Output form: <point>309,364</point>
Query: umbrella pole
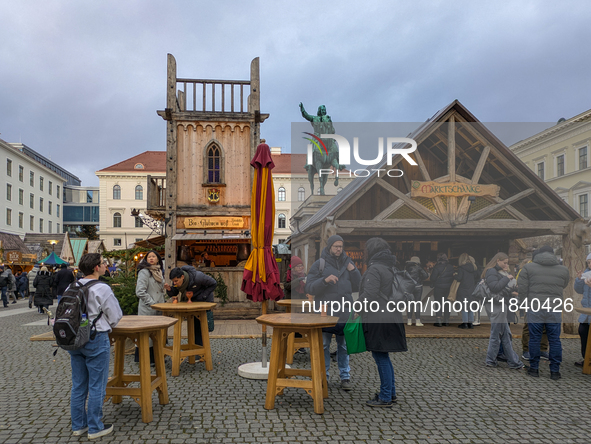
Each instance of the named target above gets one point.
<point>264,338</point>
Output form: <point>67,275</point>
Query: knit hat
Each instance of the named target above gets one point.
<point>332,239</point>
<point>546,249</point>
<point>415,259</point>
<point>44,268</point>
<point>295,261</point>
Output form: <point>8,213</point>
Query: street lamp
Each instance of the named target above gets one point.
<point>53,244</point>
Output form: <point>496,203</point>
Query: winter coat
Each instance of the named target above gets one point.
<point>62,280</point>
<point>416,272</point>
<point>292,285</point>
<point>11,280</point>
<point>31,277</point>
<point>442,277</point>
<point>543,279</point>
<point>585,290</point>
<point>341,291</point>
<point>468,278</point>
<point>43,283</point>
<point>200,284</point>
<point>383,330</point>
<point>498,284</point>
<point>22,283</point>
<point>149,292</point>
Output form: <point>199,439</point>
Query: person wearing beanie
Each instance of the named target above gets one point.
<point>413,266</point>
<point>295,282</point>
<point>541,282</point>
<point>583,286</point>
<point>334,277</point>
<point>442,277</point>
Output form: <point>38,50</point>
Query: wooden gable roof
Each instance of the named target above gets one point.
<point>453,146</point>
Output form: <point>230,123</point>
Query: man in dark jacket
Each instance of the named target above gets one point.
<point>541,282</point>
<point>197,284</point>
<point>62,280</point>
<point>333,278</point>
<point>4,285</point>
<point>413,266</point>
<point>442,277</point>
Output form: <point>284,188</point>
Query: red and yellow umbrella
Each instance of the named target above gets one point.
<point>261,280</point>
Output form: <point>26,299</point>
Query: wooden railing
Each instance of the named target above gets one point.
<point>226,96</point>
<point>156,195</point>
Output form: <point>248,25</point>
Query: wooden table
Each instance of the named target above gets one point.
<point>178,352</point>
<point>140,329</point>
<point>293,343</point>
<point>310,326</point>
<point>587,361</point>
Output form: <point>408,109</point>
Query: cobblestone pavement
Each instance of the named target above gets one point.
<point>445,394</point>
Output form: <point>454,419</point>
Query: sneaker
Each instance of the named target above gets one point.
<point>525,356</point>
<point>555,376</point>
<point>579,363</point>
<point>346,385</point>
<point>377,402</point>
<point>476,323</point>
<point>409,322</point>
<point>517,368</point>
<point>545,356</point>
<point>419,323</point>
<point>108,429</point>
<point>394,398</point>
<point>80,432</point>
<point>533,372</point>
<point>491,365</point>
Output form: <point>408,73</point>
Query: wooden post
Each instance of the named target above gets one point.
<point>171,167</point>
<point>573,255</point>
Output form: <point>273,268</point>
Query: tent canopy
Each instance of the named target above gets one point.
<point>52,259</point>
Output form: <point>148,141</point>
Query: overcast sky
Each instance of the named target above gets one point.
<point>80,82</point>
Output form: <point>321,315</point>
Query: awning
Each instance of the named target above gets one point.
<point>212,236</point>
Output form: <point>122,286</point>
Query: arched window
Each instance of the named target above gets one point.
<point>117,192</point>
<point>301,194</point>
<point>281,194</point>
<point>139,192</point>
<point>117,220</point>
<point>281,222</point>
<point>214,161</point>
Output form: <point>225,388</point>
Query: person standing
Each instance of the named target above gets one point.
<point>11,286</point>
<point>419,275</point>
<point>334,277</point>
<point>4,285</point>
<point>442,277</point>
<point>542,281</point>
<point>384,331</point>
<point>90,364</point>
<point>22,284</point>
<point>468,277</point>
<point>31,277</point>
<point>149,289</point>
<point>295,283</point>
<point>43,284</point>
<point>62,280</point>
<point>583,286</point>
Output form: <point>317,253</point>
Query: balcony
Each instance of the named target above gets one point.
<point>156,196</point>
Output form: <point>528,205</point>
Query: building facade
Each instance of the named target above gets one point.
<point>31,195</point>
<point>123,189</point>
<point>81,208</point>
<point>560,156</point>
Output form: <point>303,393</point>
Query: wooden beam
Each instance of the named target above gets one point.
<point>408,201</point>
<point>391,209</point>
<point>451,149</point>
<point>492,209</point>
<point>464,204</point>
<point>441,209</point>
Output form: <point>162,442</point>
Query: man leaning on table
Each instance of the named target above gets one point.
<point>333,278</point>
<point>90,364</point>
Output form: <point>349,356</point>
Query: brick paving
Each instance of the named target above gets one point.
<point>445,393</point>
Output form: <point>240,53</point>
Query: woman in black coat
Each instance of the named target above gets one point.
<point>384,331</point>
<point>43,284</point>
<point>442,277</point>
<point>468,277</point>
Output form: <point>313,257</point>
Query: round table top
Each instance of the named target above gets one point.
<point>185,307</point>
<point>138,324</point>
<point>314,320</point>
<point>584,310</point>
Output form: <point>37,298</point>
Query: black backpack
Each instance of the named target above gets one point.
<point>70,333</point>
<point>3,280</point>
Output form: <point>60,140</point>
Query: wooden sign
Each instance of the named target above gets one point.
<point>214,222</point>
<point>14,256</point>
<point>433,189</point>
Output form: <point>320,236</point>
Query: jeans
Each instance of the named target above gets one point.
<point>535,339</point>
<point>90,372</point>
<point>444,310</point>
<point>386,372</point>
<point>59,296</point>
<point>501,334</point>
<point>342,356</point>
<point>417,295</point>
<point>467,317</point>
<point>4,297</point>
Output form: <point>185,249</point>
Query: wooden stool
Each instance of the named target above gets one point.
<point>140,329</point>
<point>293,343</point>
<point>310,326</point>
<point>179,352</point>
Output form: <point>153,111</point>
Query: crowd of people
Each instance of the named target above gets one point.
<point>540,282</point>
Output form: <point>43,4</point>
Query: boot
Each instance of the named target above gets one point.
<point>470,325</point>
<point>463,325</point>
<point>438,323</point>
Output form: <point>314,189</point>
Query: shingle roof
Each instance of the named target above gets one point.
<point>289,163</point>
<point>13,242</point>
<point>152,162</point>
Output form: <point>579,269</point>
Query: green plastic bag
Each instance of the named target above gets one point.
<point>354,337</point>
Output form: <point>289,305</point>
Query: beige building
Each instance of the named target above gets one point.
<point>123,188</point>
<point>292,189</point>
<point>560,156</point>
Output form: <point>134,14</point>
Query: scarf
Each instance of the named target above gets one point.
<point>156,272</point>
<point>183,288</point>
